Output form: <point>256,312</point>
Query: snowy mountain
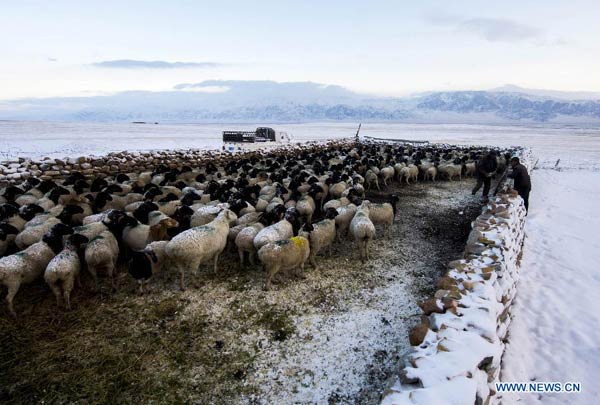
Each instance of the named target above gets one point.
<point>565,95</point>
<point>510,106</point>
<point>259,101</point>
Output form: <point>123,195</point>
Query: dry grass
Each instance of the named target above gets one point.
<point>118,351</point>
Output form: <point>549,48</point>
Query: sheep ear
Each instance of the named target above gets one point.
<point>152,256</point>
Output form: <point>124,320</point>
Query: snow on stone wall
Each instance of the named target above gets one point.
<point>458,346</point>
<point>17,170</point>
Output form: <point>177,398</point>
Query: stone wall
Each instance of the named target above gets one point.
<point>17,170</point>
<point>458,346</point>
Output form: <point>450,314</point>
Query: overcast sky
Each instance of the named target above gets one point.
<point>60,48</point>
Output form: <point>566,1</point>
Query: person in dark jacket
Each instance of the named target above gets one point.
<point>485,169</point>
<point>522,180</point>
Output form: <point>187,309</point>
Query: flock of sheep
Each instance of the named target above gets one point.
<point>281,207</point>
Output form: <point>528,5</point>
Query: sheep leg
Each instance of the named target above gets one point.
<point>300,271</point>
<point>377,184</point>
<point>270,274</point>
<point>57,293</point>
<point>182,279</point>
<point>216,262</point>
<point>68,287</point>
<point>12,291</point>
<point>251,256</point>
<point>312,260</point>
<point>367,249</point>
<point>241,254</point>
<point>95,277</point>
<point>111,274</point>
<point>78,280</point>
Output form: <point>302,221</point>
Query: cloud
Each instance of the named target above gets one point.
<point>500,30</point>
<point>495,29</point>
<point>154,64</point>
<point>201,88</point>
<point>52,59</point>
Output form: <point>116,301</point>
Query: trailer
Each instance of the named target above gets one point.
<point>409,141</point>
<point>261,134</point>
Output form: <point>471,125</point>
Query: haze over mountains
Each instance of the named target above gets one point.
<point>268,101</point>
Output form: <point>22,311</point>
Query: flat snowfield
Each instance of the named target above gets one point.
<point>57,140</point>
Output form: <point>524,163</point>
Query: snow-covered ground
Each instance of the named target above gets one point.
<point>554,335</point>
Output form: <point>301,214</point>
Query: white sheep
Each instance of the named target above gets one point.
<point>191,248</point>
<point>278,231</point>
<point>398,168</point>
<point>471,168</point>
<point>101,254</point>
<point>248,218</point>
<point>91,230</point>
<point>410,172</point>
<point>29,264</point>
<point>387,173</point>
<point>287,254</point>
<point>244,241</point>
<point>321,235</point>
<point>34,233</point>
<point>383,214</point>
<point>336,190</point>
<point>336,203</point>
<point>362,230</point>
<point>204,215</point>
<point>169,207</point>
<point>137,235</point>
<point>306,207</point>
<point>451,171</point>
<point>155,217</point>
<point>64,269</point>
<point>262,203</point>
<point>430,173</point>
<point>371,179</point>
<point>342,220</point>
<point>96,217</point>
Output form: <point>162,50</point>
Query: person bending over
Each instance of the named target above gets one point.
<point>522,180</point>
<point>485,169</point>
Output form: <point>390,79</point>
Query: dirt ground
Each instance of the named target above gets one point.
<point>334,337</point>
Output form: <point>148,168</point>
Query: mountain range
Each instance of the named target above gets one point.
<point>269,101</point>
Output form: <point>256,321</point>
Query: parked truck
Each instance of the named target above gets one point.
<point>261,134</point>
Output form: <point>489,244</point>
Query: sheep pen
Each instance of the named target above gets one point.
<point>335,336</point>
